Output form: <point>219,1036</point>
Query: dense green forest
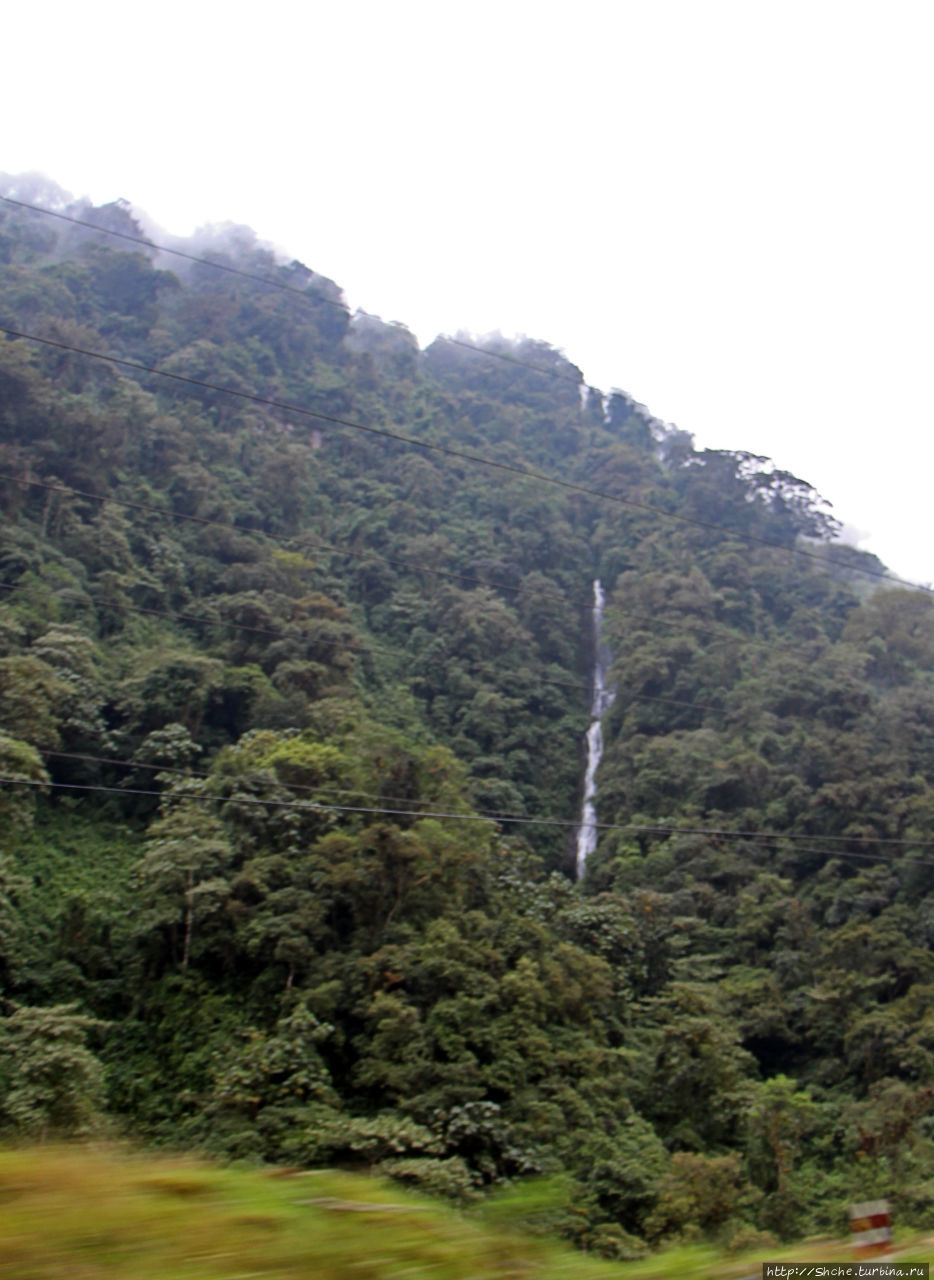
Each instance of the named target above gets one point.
<point>293,693</point>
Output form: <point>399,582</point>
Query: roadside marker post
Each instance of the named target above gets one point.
<point>871,1228</point>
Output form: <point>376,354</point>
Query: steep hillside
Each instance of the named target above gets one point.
<point>294,679</point>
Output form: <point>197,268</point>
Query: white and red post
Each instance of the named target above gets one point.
<point>871,1228</point>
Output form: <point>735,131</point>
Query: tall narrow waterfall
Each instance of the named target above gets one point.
<point>602,701</point>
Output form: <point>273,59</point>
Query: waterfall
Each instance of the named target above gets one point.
<point>602,701</point>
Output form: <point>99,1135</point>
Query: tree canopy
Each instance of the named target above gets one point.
<point>291,725</point>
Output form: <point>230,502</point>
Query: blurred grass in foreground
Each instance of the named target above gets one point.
<point>87,1214</point>
<point>93,1214</point>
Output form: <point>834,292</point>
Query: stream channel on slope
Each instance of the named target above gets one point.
<point>602,701</point>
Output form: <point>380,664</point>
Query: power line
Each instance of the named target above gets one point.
<point>305,294</point>
<point>198,773</point>
<point>439,815</point>
<point>367,647</point>
<point>304,805</point>
<point>523,364</point>
<point>641,828</point>
<point>841,853</point>
<point>178,253</point>
<point>473,458</point>
<point>486,351</point>
<point>463,456</point>
<point>505,587</point>
<point>291,786</point>
<point>410,440</point>
<point>308,294</point>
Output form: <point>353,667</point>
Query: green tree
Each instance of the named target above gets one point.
<point>702,1192</point>
<point>22,777</point>
<point>11,925</point>
<point>31,698</point>
<point>777,1122</point>
<point>183,883</point>
<point>52,1083</point>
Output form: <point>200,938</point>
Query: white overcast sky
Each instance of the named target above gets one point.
<point>723,207</point>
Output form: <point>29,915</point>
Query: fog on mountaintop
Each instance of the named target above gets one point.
<point>238,246</point>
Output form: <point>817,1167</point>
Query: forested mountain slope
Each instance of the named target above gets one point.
<point>268,670</point>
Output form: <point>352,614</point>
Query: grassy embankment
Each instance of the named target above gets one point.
<point>92,1214</point>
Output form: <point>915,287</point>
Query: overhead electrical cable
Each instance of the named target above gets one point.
<point>306,295</point>
<point>719,833</point>
<point>840,853</point>
<point>523,364</point>
<point>486,351</point>
<point>178,253</point>
<point>463,456</point>
<point>541,477</point>
<point>305,805</point>
<point>326,806</point>
<point>200,773</point>
<point>369,553</point>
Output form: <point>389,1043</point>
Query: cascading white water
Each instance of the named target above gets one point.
<point>602,701</point>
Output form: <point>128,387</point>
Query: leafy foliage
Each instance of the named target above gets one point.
<point>278,696</point>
